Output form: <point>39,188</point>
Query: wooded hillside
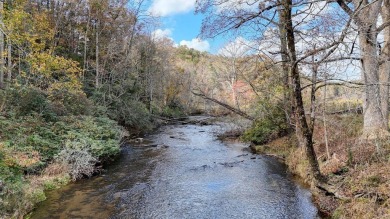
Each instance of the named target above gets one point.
<point>76,77</point>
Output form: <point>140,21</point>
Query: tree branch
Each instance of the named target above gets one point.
<point>233,109</point>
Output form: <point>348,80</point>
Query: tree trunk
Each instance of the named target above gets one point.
<point>303,132</point>
<point>97,56</point>
<point>1,49</point>
<point>234,84</point>
<point>313,93</point>
<point>234,110</point>
<point>325,127</point>
<point>384,68</point>
<point>86,44</point>
<point>9,67</point>
<point>285,69</point>
<point>375,102</point>
<point>373,118</point>
<point>375,124</point>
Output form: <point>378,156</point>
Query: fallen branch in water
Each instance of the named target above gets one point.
<point>170,119</point>
<point>233,109</point>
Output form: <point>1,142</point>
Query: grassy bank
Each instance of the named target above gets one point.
<point>45,143</point>
<point>358,170</point>
<point>37,155</point>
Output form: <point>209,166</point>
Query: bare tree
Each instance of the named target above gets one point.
<point>240,18</point>
<point>1,47</point>
<point>384,66</point>
<point>365,15</point>
<point>9,60</point>
<point>97,76</point>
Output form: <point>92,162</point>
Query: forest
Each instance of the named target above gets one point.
<point>310,79</point>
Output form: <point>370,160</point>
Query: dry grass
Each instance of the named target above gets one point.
<point>55,169</point>
<point>34,192</point>
<point>358,168</point>
<point>368,187</point>
<point>299,165</point>
<point>282,147</point>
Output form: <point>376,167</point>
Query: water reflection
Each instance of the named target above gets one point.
<point>188,173</point>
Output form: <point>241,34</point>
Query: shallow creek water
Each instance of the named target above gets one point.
<point>184,173</point>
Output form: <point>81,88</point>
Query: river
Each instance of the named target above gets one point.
<point>184,171</point>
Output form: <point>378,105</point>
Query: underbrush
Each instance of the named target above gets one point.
<point>47,140</point>
<point>269,126</point>
<point>171,110</point>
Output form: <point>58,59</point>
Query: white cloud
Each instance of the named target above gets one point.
<point>310,12</point>
<point>196,43</point>
<point>239,47</point>
<point>171,7</point>
<point>234,5</point>
<point>160,34</point>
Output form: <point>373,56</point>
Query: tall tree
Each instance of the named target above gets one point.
<point>304,132</point>
<point>9,60</point>
<point>1,46</point>
<point>365,15</point>
<point>294,22</point>
<point>97,76</point>
<point>384,66</point>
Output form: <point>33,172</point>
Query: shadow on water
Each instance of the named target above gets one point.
<point>187,173</point>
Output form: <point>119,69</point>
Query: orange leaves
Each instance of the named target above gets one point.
<point>26,160</point>
<point>13,158</point>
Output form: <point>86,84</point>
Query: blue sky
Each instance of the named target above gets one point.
<point>182,25</point>
<point>179,23</point>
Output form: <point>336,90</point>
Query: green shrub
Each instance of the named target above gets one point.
<point>87,140</point>
<point>30,143</point>
<point>28,101</point>
<point>172,112</point>
<point>65,102</point>
<point>32,100</point>
<point>11,183</point>
<point>19,102</point>
<point>31,138</point>
<point>56,183</point>
<point>270,126</point>
<point>101,135</point>
<point>131,114</point>
<point>40,141</point>
<point>37,128</point>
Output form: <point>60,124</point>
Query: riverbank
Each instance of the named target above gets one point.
<point>37,155</point>
<point>357,170</point>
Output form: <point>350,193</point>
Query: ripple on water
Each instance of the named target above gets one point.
<point>197,176</point>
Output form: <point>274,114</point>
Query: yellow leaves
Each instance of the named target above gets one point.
<point>31,30</point>
<point>5,156</point>
<point>54,72</point>
<point>98,6</point>
<point>46,64</point>
<point>180,70</point>
<point>171,91</point>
